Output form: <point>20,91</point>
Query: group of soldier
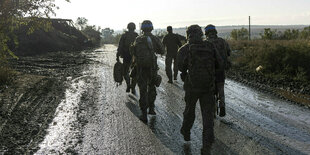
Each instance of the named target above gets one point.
<point>202,63</point>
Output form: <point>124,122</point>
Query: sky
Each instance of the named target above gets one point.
<point>116,14</point>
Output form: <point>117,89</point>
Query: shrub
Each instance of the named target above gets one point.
<point>289,59</point>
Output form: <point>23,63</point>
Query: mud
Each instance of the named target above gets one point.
<point>292,91</point>
<point>29,102</point>
<point>91,115</point>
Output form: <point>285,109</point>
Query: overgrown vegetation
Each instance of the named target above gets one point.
<point>13,15</point>
<point>285,59</point>
<point>93,33</point>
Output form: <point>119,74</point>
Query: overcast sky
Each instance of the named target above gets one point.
<point>116,14</point>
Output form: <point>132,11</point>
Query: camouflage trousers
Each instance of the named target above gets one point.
<point>126,67</point>
<point>168,63</point>
<point>147,88</point>
<point>207,111</point>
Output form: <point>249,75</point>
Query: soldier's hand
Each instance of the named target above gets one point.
<point>117,58</point>
<point>183,76</point>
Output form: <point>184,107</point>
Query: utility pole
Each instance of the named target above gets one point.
<point>249,27</point>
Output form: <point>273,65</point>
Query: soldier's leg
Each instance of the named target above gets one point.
<point>126,75</point>
<point>151,100</point>
<point>221,97</point>
<point>143,101</point>
<point>133,76</point>
<point>175,68</point>
<point>168,63</point>
<point>207,111</point>
<point>189,114</point>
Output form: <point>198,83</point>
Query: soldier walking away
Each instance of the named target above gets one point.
<point>224,50</point>
<point>198,60</point>
<point>123,51</point>
<point>172,43</point>
<point>143,51</point>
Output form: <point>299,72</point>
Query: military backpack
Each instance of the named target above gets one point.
<point>118,72</point>
<point>201,74</point>
<point>144,52</point>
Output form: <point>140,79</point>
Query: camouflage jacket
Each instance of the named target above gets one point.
<point>124,44</point>
<point>172,43</point>
<point>224,50</point>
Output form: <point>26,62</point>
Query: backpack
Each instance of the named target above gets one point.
<point>118,72</point>
<point>144,52</point>
<point>201,67</point>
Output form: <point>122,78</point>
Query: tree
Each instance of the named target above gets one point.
<point>241,34</point>
<point>81,22</point>
<point>17,13</point>
<point>93,34</point>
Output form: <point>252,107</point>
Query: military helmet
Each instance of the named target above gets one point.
<point>147,26</point>
<point>194,30</point>
<point>209,29</point>
<point>131,26</point>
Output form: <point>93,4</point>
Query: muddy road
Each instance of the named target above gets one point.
<point>96,117</point>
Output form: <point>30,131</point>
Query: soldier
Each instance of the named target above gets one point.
<point>143,50</point>
<point>172,43</point>
<point>123,51</point>
<point>224,50</point>
<point>198,60</point>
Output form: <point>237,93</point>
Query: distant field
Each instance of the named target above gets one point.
<point>224,31</point>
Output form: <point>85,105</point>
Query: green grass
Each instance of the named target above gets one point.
<point>279,59</point>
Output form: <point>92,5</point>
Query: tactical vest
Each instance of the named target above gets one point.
<point>201,67</point>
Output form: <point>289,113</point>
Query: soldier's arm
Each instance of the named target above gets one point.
<point>178,40</point>
<point>228,50</point>
<point>165,41</point>
<point>120,46</point>
<point>183,58</point>
<point>219,62</point>
<point>159,46</point>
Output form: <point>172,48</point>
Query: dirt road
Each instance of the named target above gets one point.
<point>96,117</point>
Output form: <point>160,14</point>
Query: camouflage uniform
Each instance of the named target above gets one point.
<point>123,50</point>
<point>146,76</point>
<point>172,43</point>
<point>224,50</point>
<point>194,92</point>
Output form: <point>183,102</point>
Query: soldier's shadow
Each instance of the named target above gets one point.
<point>173,142</point>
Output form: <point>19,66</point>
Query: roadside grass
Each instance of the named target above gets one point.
<point>6,74</point>
<point>280,59</point>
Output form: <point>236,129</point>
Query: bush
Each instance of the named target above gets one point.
<point>285,59</point>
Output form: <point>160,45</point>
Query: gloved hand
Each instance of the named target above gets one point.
<point>117,58</point>
<point>183,76</point>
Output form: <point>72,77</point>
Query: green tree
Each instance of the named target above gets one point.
<point>93,34</point>
<point>241,34</point>
<point>305,34</point>
<point>81,22</point>
<point>17,13</point>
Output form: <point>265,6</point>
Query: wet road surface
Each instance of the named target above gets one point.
<point>96,117</point>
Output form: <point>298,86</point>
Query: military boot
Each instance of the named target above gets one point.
<point>133,91</point>
<point>186,136</point>
<point>152,111</point>
<point>222,109</point>
<point>143,117</point>
<point>128,89</point>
